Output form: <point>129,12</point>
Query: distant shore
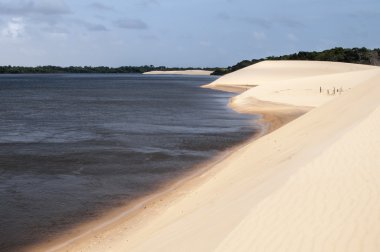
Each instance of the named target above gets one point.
<point>308,182</point>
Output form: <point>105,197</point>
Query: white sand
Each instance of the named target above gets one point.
<point>311,185</point>
<point>185,72</point>
<point>272,71</point>
<point>296,82</point>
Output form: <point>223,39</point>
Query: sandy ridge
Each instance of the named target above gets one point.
<point>279,71</point>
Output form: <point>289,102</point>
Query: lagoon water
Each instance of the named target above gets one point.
<point>74,146</point>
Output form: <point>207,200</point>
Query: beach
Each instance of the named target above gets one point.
<point>310,183</point>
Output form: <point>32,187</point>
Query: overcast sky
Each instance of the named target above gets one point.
<point>178,32</point>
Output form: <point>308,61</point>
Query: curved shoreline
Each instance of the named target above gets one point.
<point>135,211</point>
<point>132,214</point>
<point>139,213</point>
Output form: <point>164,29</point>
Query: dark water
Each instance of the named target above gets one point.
<point>72,146</point>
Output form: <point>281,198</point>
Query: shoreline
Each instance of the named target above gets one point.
<point>133,213</point>
<point>295,186</point>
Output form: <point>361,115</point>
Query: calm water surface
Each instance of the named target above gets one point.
<point>73,146</point>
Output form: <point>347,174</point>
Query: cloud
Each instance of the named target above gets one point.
<point>14,28</point>
<point>28,7</point>
<point>135,24</point>
<point>56,31</point>
<point>101,7</point>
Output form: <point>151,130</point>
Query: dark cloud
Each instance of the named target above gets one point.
<point>101,7</point>
<point>135,24</point>
<point>42,7</point>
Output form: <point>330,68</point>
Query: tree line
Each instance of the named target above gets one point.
<point>89,69</point>
<point>337,54</point>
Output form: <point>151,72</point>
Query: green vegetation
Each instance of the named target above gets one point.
<point>338,54</point>
<point>87,69</point>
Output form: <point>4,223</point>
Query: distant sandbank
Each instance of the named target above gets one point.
<point>184,72</point>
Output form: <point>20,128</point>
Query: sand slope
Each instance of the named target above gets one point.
<point>311,185</point>
<point>296,82</point>
<point>185,72</point>
<point>270,71</point>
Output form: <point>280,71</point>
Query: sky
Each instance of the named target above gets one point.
<point>185,33</point>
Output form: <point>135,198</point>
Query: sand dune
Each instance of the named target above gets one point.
<point>184,72</point>
<point>272,71</point>
<point>308,91</point>
<point>311,185</point>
